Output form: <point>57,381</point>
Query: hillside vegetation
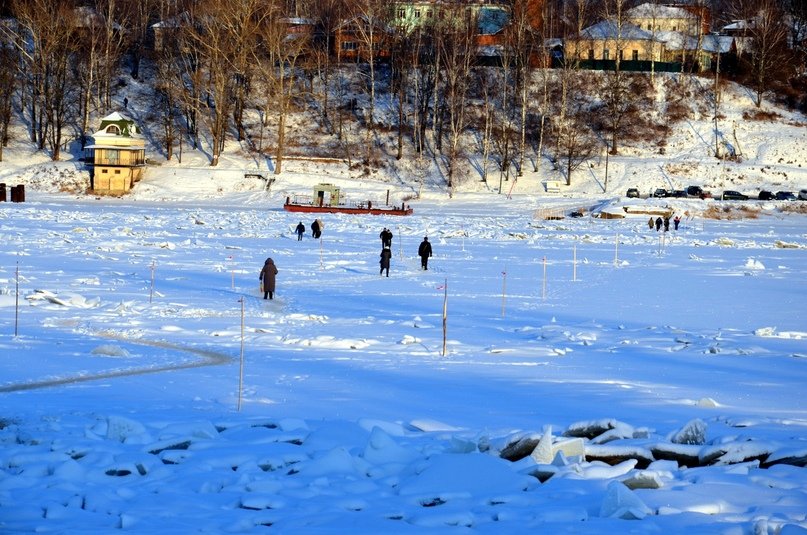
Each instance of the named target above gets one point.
<point>668,137</point>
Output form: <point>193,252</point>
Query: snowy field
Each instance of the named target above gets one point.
<point>598,377</point>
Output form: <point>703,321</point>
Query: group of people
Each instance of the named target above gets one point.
<point>424,251</point>
<point>268,273</point>
<point>316,229</point>
<point>659,222</point>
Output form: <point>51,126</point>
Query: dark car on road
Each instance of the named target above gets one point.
<point>766,196</point>
<point>697,192</point>
<point>679,193</point>
<point>785,196</point>
<point>731,195</point>
<point>660,192</point>
<point>633,193</point>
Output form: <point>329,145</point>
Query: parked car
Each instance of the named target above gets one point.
<point>765,195</point>
<point>730,195</point>
<point>697,191</point>
<point>633,193</point>
<point>785,196</point>
<point>803,194</point>
<point>679,193</point>
<point>660,192</point>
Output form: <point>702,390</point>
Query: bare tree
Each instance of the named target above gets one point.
<point>46,42</point>
<point>455,51</point>
<point>112,47</point>
<point>8,84</point>
<point>220,34</point>
<point>614,89</point>
<point>277,61</point>
<point>522,46</point>
<point>371,30</point>
<point>138,15</point>
<point>770,59</point>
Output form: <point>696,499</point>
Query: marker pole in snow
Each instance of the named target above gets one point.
<point>241,367</point>
<point>504,289</point>
<point>232,272</point>
<point>616,251</point>
<point>321,265</point>
<point>574,263</point>
<point>16,298</point>
<point>543,285</point>
<point>151,290</point>
<point>445,315</point>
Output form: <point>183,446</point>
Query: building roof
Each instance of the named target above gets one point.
<point>126,126</point>
<point>656,11</point>
<point>607,29</point>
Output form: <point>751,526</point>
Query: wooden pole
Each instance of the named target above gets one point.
<point>616,251</point>
<point>151,290</point>
<point>17,299</point>
<point>543,291</point>
<point>232,273</point>
<point>445,316</point>
<point>241,367</point>
<point>504,289</point>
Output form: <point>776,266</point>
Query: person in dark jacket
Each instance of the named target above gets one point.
<point>386,237</point>
<point>651,223</point>
<point>300,231</point>
<point>676,222</point>
<point>267,277</point>
<point>658,223</point>
<point>316,230</point>
<point>666,223</point>
<point>386,255</point>
<point>425,251</point>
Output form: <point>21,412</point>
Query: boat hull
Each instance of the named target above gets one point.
<point>308,208</point>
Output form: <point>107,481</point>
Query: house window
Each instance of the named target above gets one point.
<point>635,55</point>
<point>401,13</point>
<point>606,54</point>
<point>621,58</point>
<point>591,53</point>
<point>104,171</point>
<point>417,13</point>
<point>117,171</point>
<point>350,45</point>
<point>113,129</point>
<point>429,14</point>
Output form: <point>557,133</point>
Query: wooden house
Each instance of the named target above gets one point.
<point>117,156</point>
<point>362,39</point>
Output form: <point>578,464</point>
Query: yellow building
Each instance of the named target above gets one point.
<point>117,156</point>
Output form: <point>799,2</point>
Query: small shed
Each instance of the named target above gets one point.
<point>117,156</point>
<point>326,195</point>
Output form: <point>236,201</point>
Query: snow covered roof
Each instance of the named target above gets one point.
<point>117,124</point>
<point>656,11</point>
<point>608,29</point>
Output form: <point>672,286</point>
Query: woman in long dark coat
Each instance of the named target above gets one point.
<point>268,277</point>
<point>386,254</point>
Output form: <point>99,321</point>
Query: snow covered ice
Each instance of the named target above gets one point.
<point>679,371</point>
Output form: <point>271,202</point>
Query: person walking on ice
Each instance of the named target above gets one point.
<point>316,228</point>
<point>300,230</point>
<point>386,237</point>
<point>386,255</point>
<point>425,251</point>
<point>267,278</point>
